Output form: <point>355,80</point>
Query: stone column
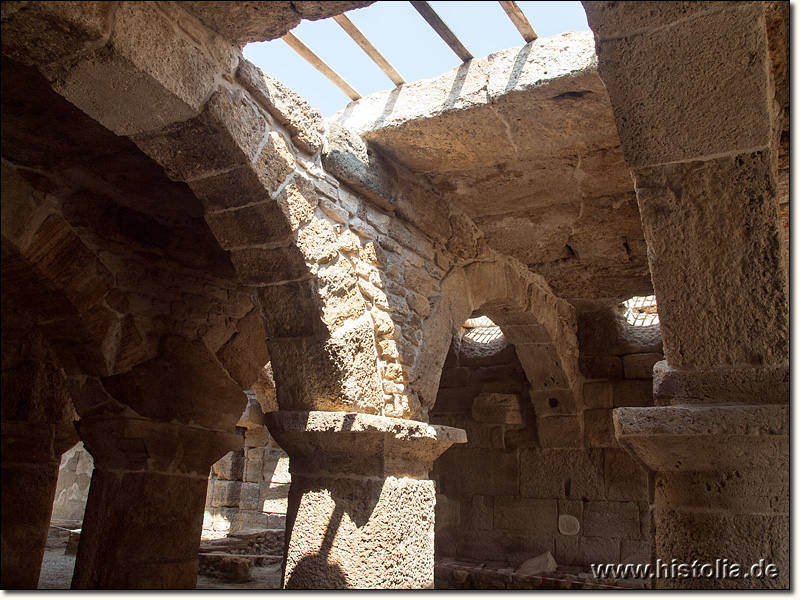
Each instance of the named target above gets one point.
<point>31,454</point>
<point>696,99</point>
<point>144,514</point>
<point>361,506</point>
<point>720,495</point>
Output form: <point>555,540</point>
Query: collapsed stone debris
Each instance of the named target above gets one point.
<point>251,317</point>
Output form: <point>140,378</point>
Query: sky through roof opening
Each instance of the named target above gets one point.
<point>404,38</point>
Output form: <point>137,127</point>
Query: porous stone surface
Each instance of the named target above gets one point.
<point>173,220</point>
<point>551,480</point>
<point>540,171</point>
<point>362,508</point>
<point>249,21</point>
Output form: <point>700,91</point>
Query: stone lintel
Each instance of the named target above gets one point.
<point>360,444</point>
<point>704,438</point>
<point>136,444</point>
<point>756,385</point>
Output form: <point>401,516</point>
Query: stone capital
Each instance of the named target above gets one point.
<point>136,444</point>
<point>360,444</point>
<point>704,438</point>
<point>753,385</point>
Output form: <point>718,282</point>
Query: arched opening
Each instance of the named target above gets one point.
<point>540,487</point>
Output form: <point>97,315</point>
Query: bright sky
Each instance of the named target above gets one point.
<point>397,30</point>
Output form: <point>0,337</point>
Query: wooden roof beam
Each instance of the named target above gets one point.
<point>320,65</point>
<point>360,39</point>
<point>440,27</point>
<point>519,20</point>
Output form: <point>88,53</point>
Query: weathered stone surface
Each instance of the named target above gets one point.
<point>59,29</point>
<point>557,473</point>
<point>527,515</point>
<point>745,385</point>
<point>497,408</point>
<point>350,159</point>
<point>303,122</point>
<point>252,21</point>
<point>740,250</point>
<point>652,125</point>
<point>544,563</point>
<point>538,186</point>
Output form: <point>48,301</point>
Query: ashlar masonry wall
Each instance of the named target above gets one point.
<point>517,489</point>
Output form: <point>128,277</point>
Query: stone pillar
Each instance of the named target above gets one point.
<point>361,506</point>
<point>697,105</point>
<point>144,514</point>
<point>720,494</point>
<point>31,454</point>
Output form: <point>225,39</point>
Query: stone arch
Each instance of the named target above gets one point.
<point>541,326</point>
<point>206,116</point>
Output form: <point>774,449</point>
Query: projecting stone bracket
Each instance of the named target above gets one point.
<point>720,486</point>
<point>361,509</point>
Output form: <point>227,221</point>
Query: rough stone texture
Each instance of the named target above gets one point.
<point>705,54</point>
<point>374,526</point>
<point>502,496</point>
<point>541,148</point>
<point>254,21</point>
<point>72,486</point>
<point>150,178</point>
<point>165,469</point>
<point>30,457</point>
<point>736,250</point>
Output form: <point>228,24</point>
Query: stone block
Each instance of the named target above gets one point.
<point>29,35</point>
<point>275,162</point>
<point>583,551</point>
<point>226,493</point>
<point>601,367</point>
<point>500,409</point>
<point>571,474</point>
<point>640,366</point>
<point>454,400</point>
<point>230,466</point>
<point>232,189</point>
<point>302,120</point>
<point>253,470</point>
<point>250,496</point>
<point>554,402</point>
<point>634,548</point>
<point>146,77</point>
<point>559,432</point>
<point>599,428</point>
<point>447,511</point>
<point>598,394</point>
<point>527,515</point>
<point>618,520</point>
<point>291,309</point>
<point>274,497</point>
<point>542,365</point>
<point>479,471</point>
<point>512,547</point>
<point>625,479</point>
<point>698,67</point>
<point>253,225</point>
<point>256,437</point>
<point>633,392</point>
<point>482,513</point>
<point>317,241</point>
<point>544,563</point>
<point>276,468</point>
<point>608,19</point>
<point>298,201</point>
